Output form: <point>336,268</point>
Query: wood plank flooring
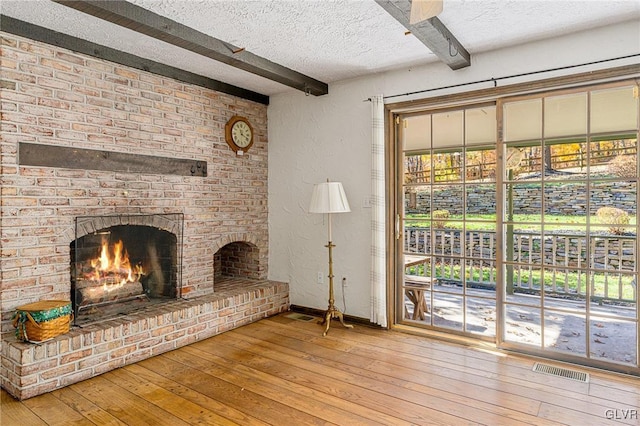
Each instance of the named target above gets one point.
<point>281,371</point>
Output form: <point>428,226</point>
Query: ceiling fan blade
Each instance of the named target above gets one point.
<point>424,9</point>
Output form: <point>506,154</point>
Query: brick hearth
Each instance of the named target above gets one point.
<point>89,351</point>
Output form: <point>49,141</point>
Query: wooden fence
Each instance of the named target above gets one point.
<point>566,263</point>
<point>531,162</point>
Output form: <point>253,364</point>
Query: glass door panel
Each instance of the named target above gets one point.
<point>570,226</point>
<point>448,221</point>
<point>563,332</point>
<point>565,115</point>
<point>566,160</point>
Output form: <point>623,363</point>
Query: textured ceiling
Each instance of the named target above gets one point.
<point>329,40</point>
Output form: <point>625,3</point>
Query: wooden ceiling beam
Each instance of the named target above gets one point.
<point>145,22</point>
<point>431,32</point>
<point>44,35</point>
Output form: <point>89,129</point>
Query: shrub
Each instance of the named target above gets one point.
<point>439,218</point>
<point>623,166</point>
<point>614,217</point>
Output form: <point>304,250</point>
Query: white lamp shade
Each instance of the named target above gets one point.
<point>329,197</point>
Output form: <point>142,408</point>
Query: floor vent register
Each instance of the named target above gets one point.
<point>561,372</point>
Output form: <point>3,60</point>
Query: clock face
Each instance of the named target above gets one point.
<point>238,134</point>
<point>241,134</point>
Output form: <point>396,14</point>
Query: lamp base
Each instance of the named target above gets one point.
<point>332,313</point>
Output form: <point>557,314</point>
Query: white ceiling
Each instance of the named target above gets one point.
<point>329,40</point>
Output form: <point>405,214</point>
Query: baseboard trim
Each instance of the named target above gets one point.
<point>320,313</point>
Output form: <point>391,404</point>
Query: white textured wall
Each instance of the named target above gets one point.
<point>315,138</point>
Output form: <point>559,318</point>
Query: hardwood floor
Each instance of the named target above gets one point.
<point>281,371</point>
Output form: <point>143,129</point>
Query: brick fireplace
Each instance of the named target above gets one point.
<point>63,102</point>
<point>120,264</point>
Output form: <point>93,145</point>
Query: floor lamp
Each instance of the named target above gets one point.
<point>329,197</point>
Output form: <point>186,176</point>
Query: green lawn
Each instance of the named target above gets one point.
<point>486,222</point>
<point>575,283</point>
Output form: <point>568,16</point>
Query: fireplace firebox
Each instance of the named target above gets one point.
<point>120,264</point>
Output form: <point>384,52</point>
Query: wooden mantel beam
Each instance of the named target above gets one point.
<point>431,32</point>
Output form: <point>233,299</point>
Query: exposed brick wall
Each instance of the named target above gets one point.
<point>56,97</point>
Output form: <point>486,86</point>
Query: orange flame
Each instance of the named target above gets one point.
<point>113,268</point>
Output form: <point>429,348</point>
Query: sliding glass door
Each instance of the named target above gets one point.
<point>517,222</point>
<point>570,223</point>
<point>448,220</point>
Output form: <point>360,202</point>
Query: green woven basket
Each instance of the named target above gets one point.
<point>44,320</point>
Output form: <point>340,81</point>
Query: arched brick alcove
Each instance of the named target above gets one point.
<point>238,256</point>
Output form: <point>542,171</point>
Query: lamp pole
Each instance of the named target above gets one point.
<point>332,311</point>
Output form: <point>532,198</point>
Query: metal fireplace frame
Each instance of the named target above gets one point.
<point>169,222</point>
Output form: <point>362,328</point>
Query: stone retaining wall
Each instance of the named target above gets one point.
<point>562,199</point>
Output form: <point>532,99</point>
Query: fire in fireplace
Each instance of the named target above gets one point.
<point>120,268</point>
<point>109,275</point>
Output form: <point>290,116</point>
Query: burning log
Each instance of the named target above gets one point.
<point>106,289</point>
<point>108,277</point>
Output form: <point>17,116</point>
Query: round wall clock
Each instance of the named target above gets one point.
<point>239,134</point>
